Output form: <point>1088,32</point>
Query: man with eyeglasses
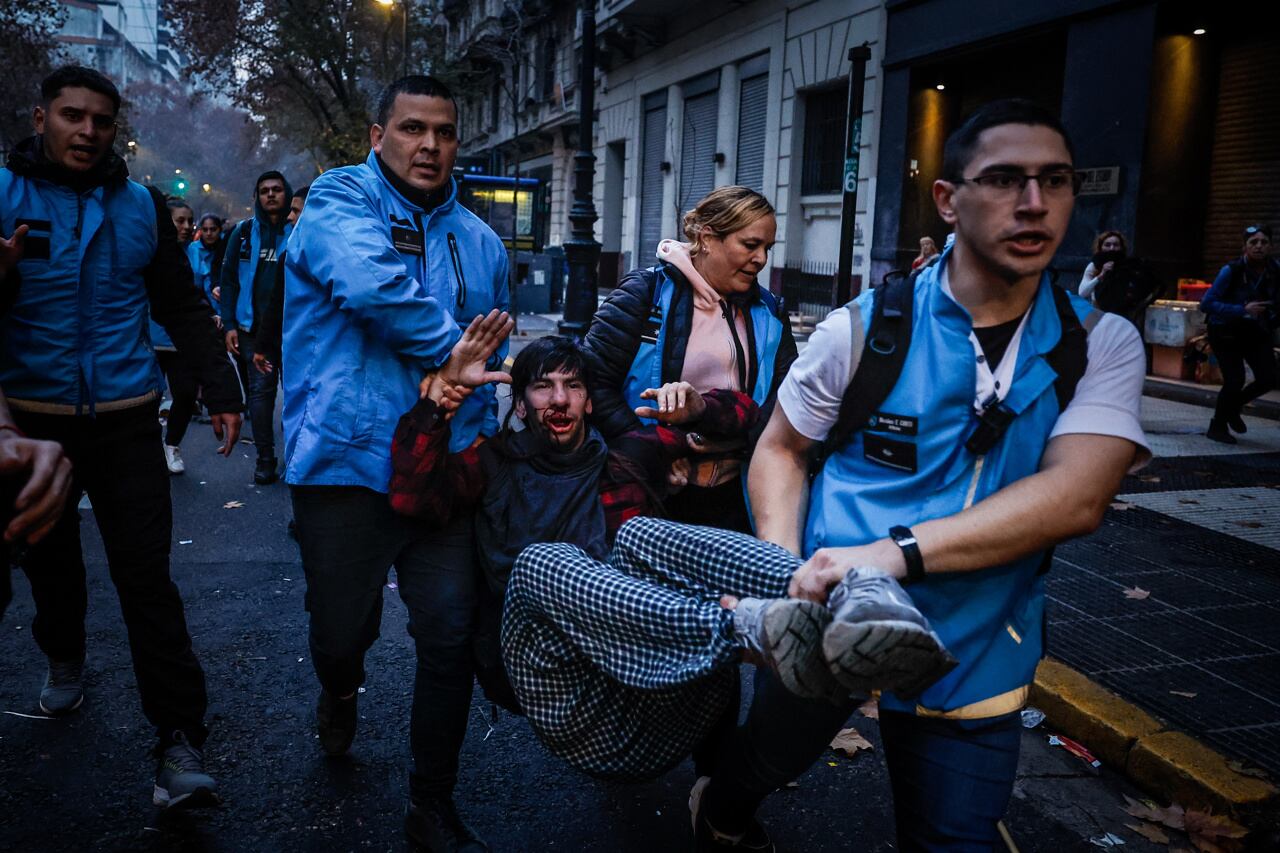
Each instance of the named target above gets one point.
<point>379,273</point>
<point>979,460</point>
<point>88,253</point>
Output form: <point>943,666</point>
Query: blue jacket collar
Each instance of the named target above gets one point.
<point>445,206</point>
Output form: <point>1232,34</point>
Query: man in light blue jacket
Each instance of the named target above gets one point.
<point>378,276</point>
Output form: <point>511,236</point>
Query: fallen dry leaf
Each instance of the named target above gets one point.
<point>1184,694</point>
<point>870,709</point>
<point>233,505</point>
<point>1121,506</point>
<point>1137,593</point>
<point>1255,772</point>
<point>1150,478</point>
<point>1211,833</point>
<point>1149,831</point>
<point>850,742</point>
<point>1252,525</point>
<point>1172,817</point>
<point>1187,501</point>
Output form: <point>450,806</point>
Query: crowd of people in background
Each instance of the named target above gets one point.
<point>678,493</point>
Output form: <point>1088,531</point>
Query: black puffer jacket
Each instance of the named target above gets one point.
<point>614,337</point>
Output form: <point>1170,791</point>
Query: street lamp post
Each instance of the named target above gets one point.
<point>581,249</point>
<point>404,32</point>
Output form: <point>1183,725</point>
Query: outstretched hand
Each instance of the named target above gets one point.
<point>470,355</point>
<point>11,249</point>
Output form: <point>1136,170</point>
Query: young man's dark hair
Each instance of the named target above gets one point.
<point>547,355</point>
<point>77,76</point>
<point>963,141</point>
<point>414,84</point>
<point>301,192</point>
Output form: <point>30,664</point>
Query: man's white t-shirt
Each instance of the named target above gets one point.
<point>1107,400</point>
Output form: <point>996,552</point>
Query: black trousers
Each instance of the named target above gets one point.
<point>350,538</point>
<point>1235,344</point>
<point>116,458</point>
<point>184,387</point>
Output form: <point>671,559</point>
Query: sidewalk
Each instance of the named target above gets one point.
<point>1174,603</point>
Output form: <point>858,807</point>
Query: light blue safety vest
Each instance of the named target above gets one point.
<point>646,367</point>
<point>992,620</point>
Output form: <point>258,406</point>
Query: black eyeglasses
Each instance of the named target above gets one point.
<point>1055,183</point>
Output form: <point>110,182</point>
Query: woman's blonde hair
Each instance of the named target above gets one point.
<point>723,211</point>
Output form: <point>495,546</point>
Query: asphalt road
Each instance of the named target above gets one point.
<point>84,783</point>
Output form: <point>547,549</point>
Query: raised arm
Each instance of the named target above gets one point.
<point>342,245</point>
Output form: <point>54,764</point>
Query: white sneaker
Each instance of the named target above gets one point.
<point>173,458</point>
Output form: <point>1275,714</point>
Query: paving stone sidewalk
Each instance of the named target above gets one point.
<point>1175,602</point>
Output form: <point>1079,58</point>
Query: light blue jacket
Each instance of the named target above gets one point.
<point>367,314</point>
<point>992,620</point>
<point>201,259</point>
<point>77,335</point>
<point>647,366</point>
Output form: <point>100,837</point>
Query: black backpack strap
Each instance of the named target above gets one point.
<point>878,363</point>
<point>1070,356</point>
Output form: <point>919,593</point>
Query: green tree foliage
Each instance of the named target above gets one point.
<point>28,30</point>
<point>310,69</point>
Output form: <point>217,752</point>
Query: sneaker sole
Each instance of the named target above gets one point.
<point>896,656</point>
<point>63,712</point>
<point>200,798</point>
<point>794,630</point>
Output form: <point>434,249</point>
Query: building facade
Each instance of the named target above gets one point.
<point>688,98</point>
<point>1173,108</point>
<point>120,39</point>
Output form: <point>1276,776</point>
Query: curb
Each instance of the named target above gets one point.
<point>1204,395</point>
<point>1170,765</point>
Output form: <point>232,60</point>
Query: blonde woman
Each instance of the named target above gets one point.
<point>696,321</point>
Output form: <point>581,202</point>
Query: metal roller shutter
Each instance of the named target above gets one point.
<point>753,108</point>
<point>698,149</point>
<point>1244,173</point>
<point>654,148</point>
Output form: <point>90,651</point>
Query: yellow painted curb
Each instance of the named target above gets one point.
<point>1089,713</point>
<point>1194,775</point>
<point>1170,765</point>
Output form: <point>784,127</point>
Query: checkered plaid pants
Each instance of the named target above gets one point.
<point>623,667</point>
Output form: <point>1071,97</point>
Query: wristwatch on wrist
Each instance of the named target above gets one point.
<point>906,540</point>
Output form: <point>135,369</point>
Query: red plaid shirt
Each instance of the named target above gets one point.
<point>430,483</point>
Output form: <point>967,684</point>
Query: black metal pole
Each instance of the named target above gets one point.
<point>404,38</point>
<point>581,250</point>
<point>858,58</point>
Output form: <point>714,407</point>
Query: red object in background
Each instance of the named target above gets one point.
<point>1192,290</point>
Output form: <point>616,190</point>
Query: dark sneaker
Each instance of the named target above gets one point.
<point>878,640</point>
<point>1237,424</point>
<point>706,838</point>
<point>433,824</point>
<point>785,634</point>
<point>63,689</point>
<point>264,473</point>
<point>336,723</point>
<point>180,778</point>
<point>1218,432</point>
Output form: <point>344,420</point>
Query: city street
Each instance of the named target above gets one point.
<point>84,783</point>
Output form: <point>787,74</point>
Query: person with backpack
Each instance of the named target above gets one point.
<point>85,254</point>
<point>696,321</point>
<point>1242,319</point>
<point>250,272</point>
<point>971,418</point>
<point>622,633</point>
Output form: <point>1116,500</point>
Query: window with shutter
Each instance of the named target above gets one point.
<point>698,149</point>
<point>753,108</point>
<point>654,149</point>
<point>824,132</point>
